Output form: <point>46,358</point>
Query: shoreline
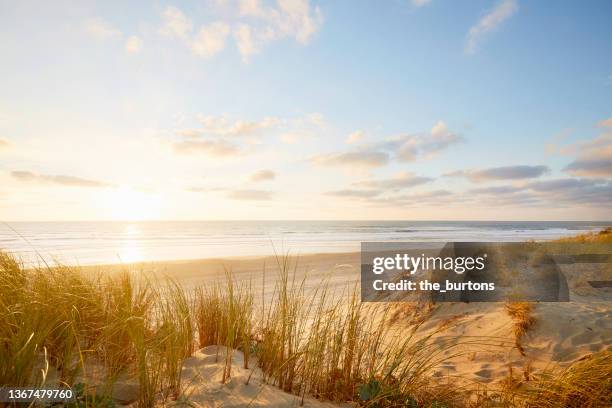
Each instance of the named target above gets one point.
<point>338,268</point>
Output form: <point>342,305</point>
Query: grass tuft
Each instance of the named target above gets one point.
<point>522,320</point>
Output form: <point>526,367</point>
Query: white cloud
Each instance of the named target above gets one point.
<point>291,18</point>
<point>262,175</point>
<point>60,179</point>
<point>255,131</point>
<point>355,137</point>
<point>4,144</point>
<point>420,3</point>
<point>176,24</point>
<point>489,22</point>
<point>402,148</point>
<point>101,29</point>
<point>353,193</point>
<point>210,39</point>
<point>412,147</point>
<point>400,181</point>
<point>245,42</point>
<point>317,119</point>
<point>297,19</point>
<point>223,126</point>
<point>363,159</point>
<point>249,195</point>
<point>133,45</point>
<point>213,148</point>
<point>253,24</point>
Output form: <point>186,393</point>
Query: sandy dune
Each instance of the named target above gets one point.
<point>202,375</point>
<point>562,333</point>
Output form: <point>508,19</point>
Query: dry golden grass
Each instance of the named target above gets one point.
<point>603,236</point>
<point>57,323</point>
<point>224,316</point>
<point>587,383</point>
<point>522,320</point>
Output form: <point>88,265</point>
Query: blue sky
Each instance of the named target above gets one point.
<point>244,109</point>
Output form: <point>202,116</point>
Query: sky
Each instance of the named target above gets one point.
<point>298,109</point>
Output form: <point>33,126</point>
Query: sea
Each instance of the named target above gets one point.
<point>91,243</point>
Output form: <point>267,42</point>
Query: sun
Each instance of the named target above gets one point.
<point>128,204</point>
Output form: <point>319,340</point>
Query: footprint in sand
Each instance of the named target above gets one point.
<point>595,347</point>
<point>484,373</point>
<point>583,338</point>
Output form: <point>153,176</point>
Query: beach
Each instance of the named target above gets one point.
<point>260,330</point>
<point>560,334</point>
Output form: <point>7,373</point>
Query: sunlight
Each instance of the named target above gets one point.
<point>131,249</point>
<point>133,205</point>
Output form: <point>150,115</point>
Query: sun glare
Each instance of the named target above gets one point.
<point>133,205</point>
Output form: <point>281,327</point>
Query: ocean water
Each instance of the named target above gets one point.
<point>87,243</point>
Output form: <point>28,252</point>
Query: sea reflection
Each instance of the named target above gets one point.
<point>131,249</point>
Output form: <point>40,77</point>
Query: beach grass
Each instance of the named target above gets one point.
<point>602,237</point>
<point>522,320</point>
<point>62,326</point>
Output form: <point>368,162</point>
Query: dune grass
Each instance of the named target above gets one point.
<point>522,320</point>
<point>61,326</point>
<point>587,383</point>
<point>603,236</point>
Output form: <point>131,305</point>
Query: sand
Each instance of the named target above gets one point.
<point>202,374</point>
<point>562,333</point>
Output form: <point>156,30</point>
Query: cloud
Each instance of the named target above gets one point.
<point>403,148</point>
<point>606,123</point>
<point>289,131</point>
<point>495,190</point>
<point>401,181</point>
<point>210,39</point>
<point>4,144</point>
<point>175,23</point>
<point>133,45</point>
<point>420,3</point>
<point>291,18</point>
<point>316,118</point>
<point>289,138</point>
<point>417,199</point>
<point>213,148</point>
<point>223,126</point>
<point>351,193</point>
<point>592,167</point>
<point>253,23</point>
<point>413,147</point>
<point>262,175</point>
<point>556,192</point>
<point>570,190</point>
<point>101,29</point>
<point>245,42</point>
<point>195,189</point>
<point>249,195</point>
<point>355,137</point>
<point>501,173</point>
<point>594,158</point>
<point>364,158</point>
<point>424,197</point>
<point>27,176</point>
<point>488,23</point>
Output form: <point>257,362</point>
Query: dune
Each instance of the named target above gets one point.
<point>203,387</point>
<point>500,347</point>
